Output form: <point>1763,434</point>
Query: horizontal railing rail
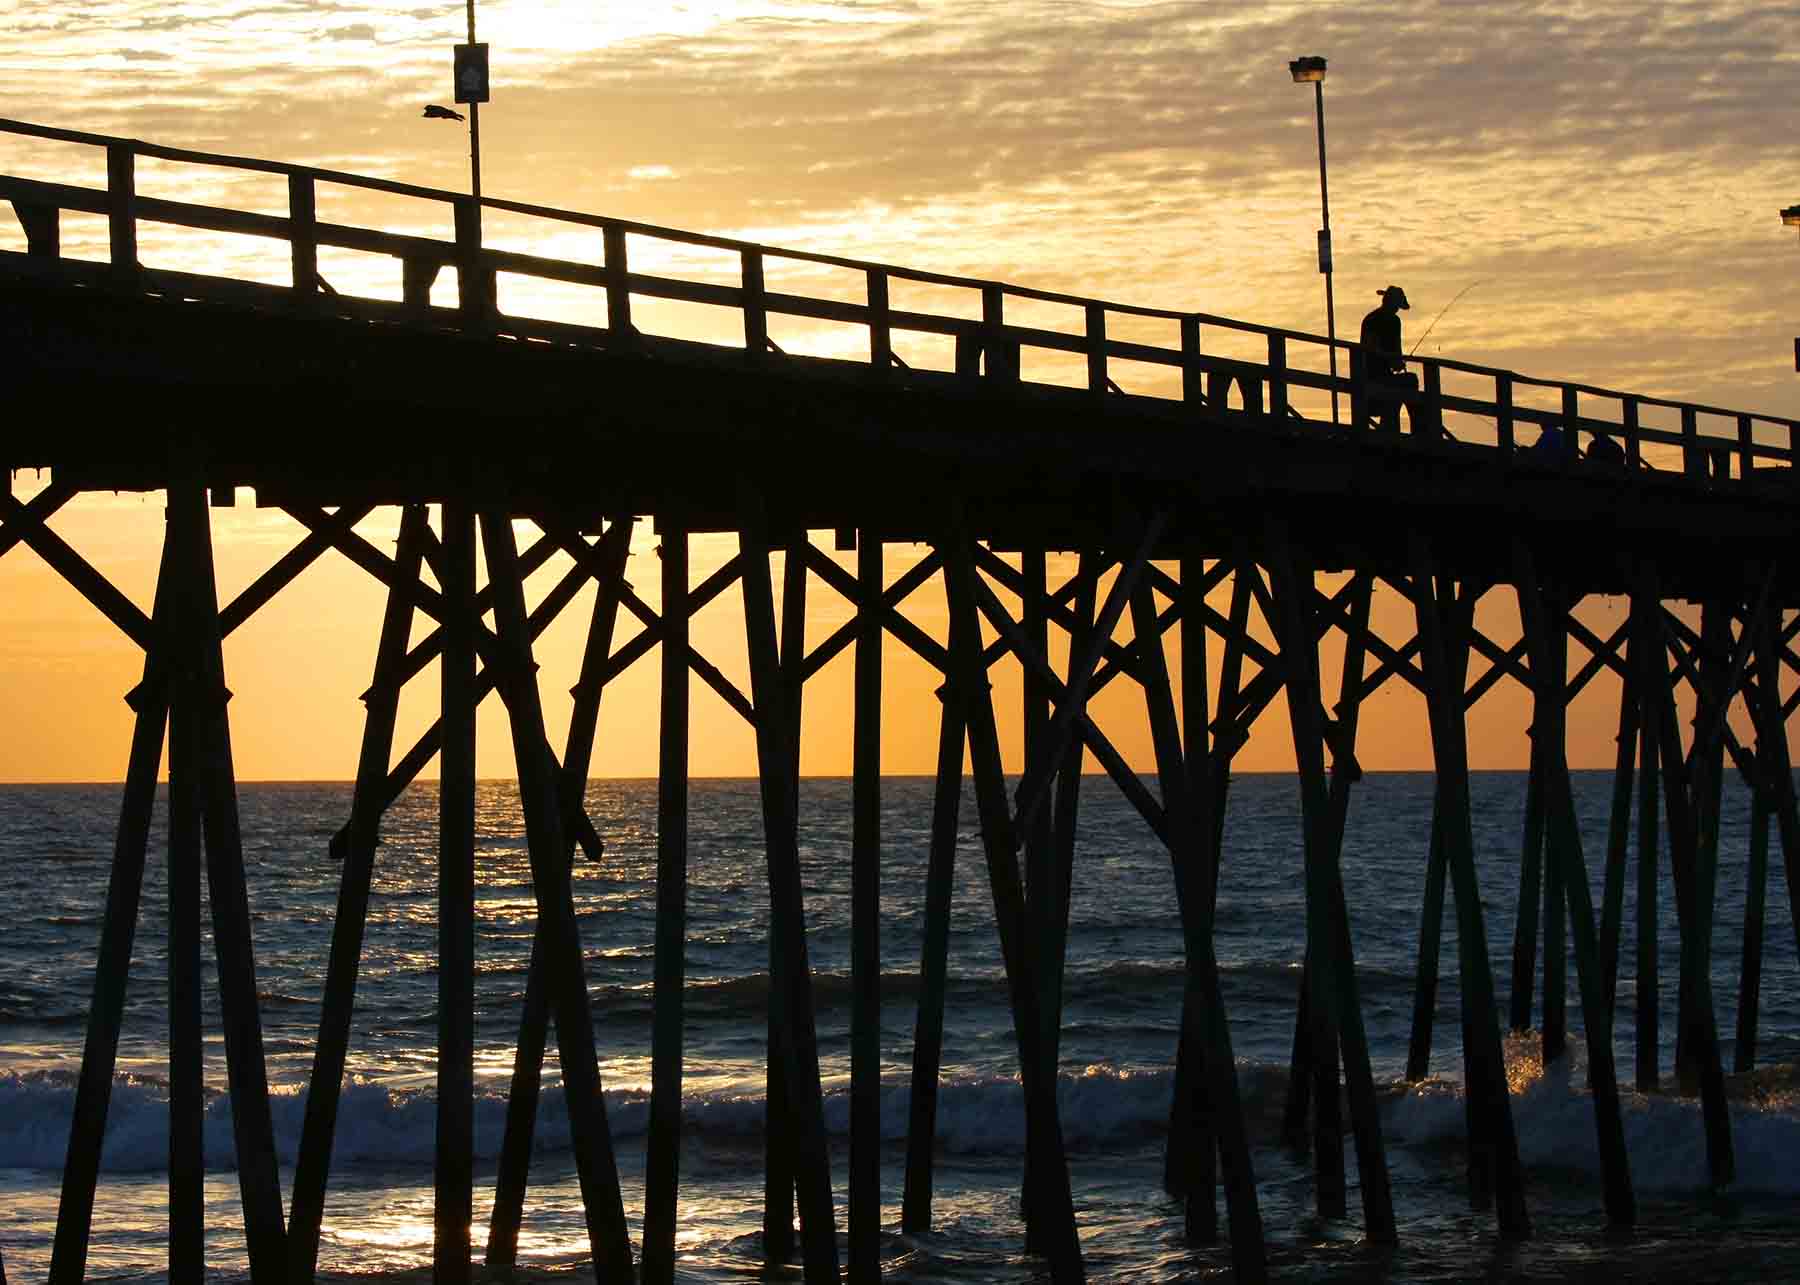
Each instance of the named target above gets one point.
<point>1709,442</point>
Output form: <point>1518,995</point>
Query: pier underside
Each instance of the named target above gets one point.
<point>110,387</point>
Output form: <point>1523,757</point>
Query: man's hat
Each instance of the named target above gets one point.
<point>1397,293</point>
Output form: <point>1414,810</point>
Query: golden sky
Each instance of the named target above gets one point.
<point>1601,178</point>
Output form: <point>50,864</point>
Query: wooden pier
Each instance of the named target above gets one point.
<point>1181,472</point>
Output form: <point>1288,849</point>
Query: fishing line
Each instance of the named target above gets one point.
<point>1446,308</point>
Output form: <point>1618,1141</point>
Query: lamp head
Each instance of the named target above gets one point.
<point>1307,70</point>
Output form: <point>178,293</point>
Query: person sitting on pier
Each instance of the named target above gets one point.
<point>1603,450</point>
<point>1384,383</point>
<point>1553,445</point>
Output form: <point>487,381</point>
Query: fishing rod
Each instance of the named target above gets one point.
<point>1446,308</point>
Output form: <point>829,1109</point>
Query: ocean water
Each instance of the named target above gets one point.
<point>1122,1004</point>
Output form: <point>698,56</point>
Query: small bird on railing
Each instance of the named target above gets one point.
<point>434,112</point>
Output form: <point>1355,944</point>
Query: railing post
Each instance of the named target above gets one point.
<point>1693,462</point>
<point>618,282</point>
<point>756,311</point>
<point>474,281</point>
<point>1503,412</point>
<point>1434,403</point>
<point>416,279</point>
<point>1746,449</point>
<point>1571,412</point>
<point>121,213</point>
<point>1002,355</point>
<point>303,234</point>
<point>1278,401</point>
<point>1191,374</point>
<point>1634,443</point>
<point>43,238</point>
<point>1096,347</point>
<point>881,334</point>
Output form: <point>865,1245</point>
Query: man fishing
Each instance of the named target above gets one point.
<point>1386,381</point>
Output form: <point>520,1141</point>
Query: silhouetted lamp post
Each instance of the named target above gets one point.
<point>469,80</point>
<point>1311,71</point>
<point>472,88</point>
<point>1790,218</point>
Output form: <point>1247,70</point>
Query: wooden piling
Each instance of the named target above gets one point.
<point>1053,921</point>
<point>187,1093</point>
<point>1333,997</point>
<point>1190,1131</point>
<point>1431,933</point>
<point>1190,1121</point>
<point>149,701</point>
<point>1621,1204</point>
<point>1314,1050</point>
<point>1531,879</point>
<point>565,974</point>
<point>186,1059</point>
<point>590,684</point>
<point>1646,644</point>
<point>778,1125</point>
<point>1365,1118</point>
<point>865,923</point>
<point>1313,1070</point>
<point>1484,1061</point>
<point>1771,741</point>
<point>1035,834</point>
<point>453,1204</point>
<point>1545,621</point>
<point>1458,626</point>
<point>787,920</point>
<point>1698,1032</point>
<point>1054,1207</point>
<point>1313,1090</point>
<point>523,1096</point>
<point>1705,777</point>
<point>1756,882</point>
<point>662,1160</point>
<point>202,687</point>
<point>1555,1035</point>
<point>1034,625</point>
<point>528,1054</point>
<point>381,703</point>
<point>1477,1113</point>
<point>1187,851</point>
<point>1618,834</point>
<point>928,1028</point>
<point>187,1099</point>
<point>1313,1060</point>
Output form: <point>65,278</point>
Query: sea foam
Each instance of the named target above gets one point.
<point>1103,1108</point>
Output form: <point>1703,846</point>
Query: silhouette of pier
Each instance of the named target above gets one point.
<point>1178,470</point>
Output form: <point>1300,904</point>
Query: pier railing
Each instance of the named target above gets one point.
<point>983,336</point>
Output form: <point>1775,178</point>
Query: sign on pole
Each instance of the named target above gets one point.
<point>472,73</point>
